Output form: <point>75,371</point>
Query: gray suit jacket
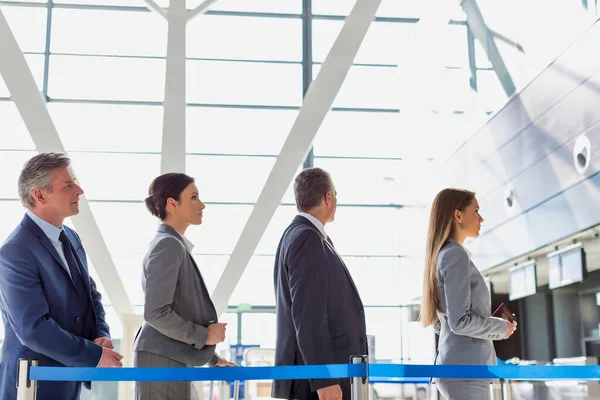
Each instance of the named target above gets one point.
<point>466,327</point>
<point>320,316</point>
<point>178,308</point>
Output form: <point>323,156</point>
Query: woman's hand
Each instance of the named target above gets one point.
<point>216,333</point>
<point>224,363</point>
<point>510,328</point>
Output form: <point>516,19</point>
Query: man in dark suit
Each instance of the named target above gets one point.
<point>50,307</point>
<point>320,317</point>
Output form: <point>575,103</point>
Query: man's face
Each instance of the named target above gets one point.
<point>63,200</point>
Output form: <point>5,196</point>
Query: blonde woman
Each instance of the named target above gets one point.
<point>455,297</point>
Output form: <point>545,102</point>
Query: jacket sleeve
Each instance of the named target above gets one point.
<point>162,271</point>
<point>457,288</point>
<point>309,288</point>
<point>27,310</point>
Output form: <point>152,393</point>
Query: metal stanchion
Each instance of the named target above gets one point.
<point>506,392</point>
<point>360,385</point>
<point>26,389</point>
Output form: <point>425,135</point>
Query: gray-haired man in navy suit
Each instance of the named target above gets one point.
<point>320,317</point>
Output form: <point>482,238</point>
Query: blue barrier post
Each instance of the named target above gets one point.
<point>360,384</point>
<point>26,388</point>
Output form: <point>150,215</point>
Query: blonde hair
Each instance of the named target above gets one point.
<point>441,228</point>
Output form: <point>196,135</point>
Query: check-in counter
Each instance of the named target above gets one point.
<point>557,390</point>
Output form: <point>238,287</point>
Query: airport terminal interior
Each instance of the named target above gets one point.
<point>498,97</point>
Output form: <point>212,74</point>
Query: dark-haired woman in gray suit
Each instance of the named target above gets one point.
<point>455,296</point>
<point>180,328</point>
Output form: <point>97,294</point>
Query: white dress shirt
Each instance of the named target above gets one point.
<point>315,222</point>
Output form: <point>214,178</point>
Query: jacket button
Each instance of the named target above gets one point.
<point>193,345</point>
<point>77,319</point>
<point>363,340</point>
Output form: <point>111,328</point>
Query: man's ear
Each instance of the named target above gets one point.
<point>328,198</point>
<point>39,196</point>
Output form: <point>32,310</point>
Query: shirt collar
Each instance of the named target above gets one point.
<point>49,230</point>
<point>315,222</point>
<point>464,248</point>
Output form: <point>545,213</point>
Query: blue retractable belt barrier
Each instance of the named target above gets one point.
<point>511,372</point>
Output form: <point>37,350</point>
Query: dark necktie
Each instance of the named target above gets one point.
<point>72,264</point>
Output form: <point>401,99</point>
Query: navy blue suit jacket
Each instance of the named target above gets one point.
<point>43,315</point>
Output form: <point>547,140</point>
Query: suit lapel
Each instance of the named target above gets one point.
<point>301,220</point>
<point>330,245</point>
<point>52,250</point>
<point>167,229</point>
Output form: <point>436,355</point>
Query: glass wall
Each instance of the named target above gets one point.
<point>101,66</point>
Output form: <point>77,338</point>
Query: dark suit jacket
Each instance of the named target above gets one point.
<point>320,317</point>
<point>43,315</point>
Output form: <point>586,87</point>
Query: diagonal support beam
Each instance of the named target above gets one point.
<point>155,7</point>
<point>32,107</point>
<point>202,8</point>
<point>317,103</point>
<point>486,38</point>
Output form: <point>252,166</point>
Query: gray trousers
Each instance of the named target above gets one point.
<point>458,389</point>
<point>178,390</point>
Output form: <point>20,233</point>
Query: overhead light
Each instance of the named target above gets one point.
<point>510,199</point>
<point>582,154</point>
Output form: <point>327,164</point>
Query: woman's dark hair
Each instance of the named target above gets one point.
<point>164,187</point>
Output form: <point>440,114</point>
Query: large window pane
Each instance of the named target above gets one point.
<point>382,44</point>
<point>106,176</point>
<point>127,228</point>
<point>411,274</point>
<point>105,78</point>
<point>216,82</point>
<point>102,2</point>
<point>260,329</point>
<point>106,127</point>
<point>366,231</point>
<point>388,8</point>
<point>237,130</point>
<point>281,220</point>
<point>245,38</point>
<point>36,65</point>
<point>220,230</point>
<point>12,214</point>
<point>102,32</point>
<point>130,269</point>
<point>211,267</point>
<point>13,132</point>
<point>409,134</point>
<point>11,163</point>
<point>454,46</point>
<point>368,87</point>
<point>28,25</point>
<point>231,179</point>
<point>271,6</point>
<point>256,284</point>
<point>385,325</point>
<point>367,273</point>
<point>376,181</point>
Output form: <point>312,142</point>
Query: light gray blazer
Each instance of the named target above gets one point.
<point>466,327</point>
<point>178,308</point>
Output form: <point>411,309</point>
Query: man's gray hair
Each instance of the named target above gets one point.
<point>37,174</point>
<point>310,186</point>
